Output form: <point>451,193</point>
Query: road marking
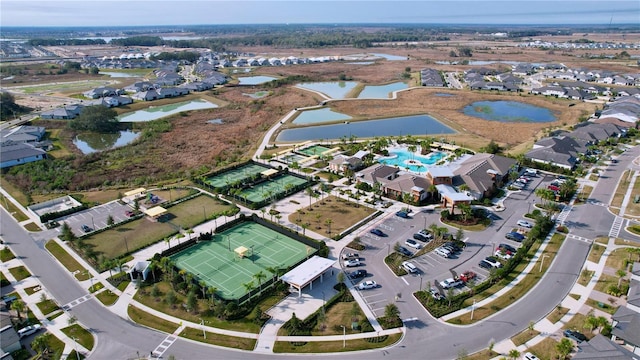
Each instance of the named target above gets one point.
<point>409,319</point>
<point>405,280</point>
<point>164,346</point>
<point>76,302</point>
<point>616,226</point>
<point>572,236</point>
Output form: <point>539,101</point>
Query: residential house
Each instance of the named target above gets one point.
<point>62,113</point>
<point>377,174</point>
<point>101,92</point>
<point>148,95</point>
<point>599,347</point>
<point>341,163</point>
<point>561,151</point>
<point>440,175</point>
<point>450,197</point>
<point>556,91</point>
<point>9,339</point>
<point>626,329</point>
<point>23,134</point>
<point>12,154</point>
<point>140,86</point>
<point>482,173</point>
<point>431,78</point>
<point>197,86</point>
<point>594,133</point>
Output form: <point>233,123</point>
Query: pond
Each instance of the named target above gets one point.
<point>391,57</point>
<point>509,111</point>
<point>319,116</point>
<point>157,112</point>
<point>381,91</point>
<point>117,74</point>
<point>255,80</point>
<point>397,126</point>
<point>333,89</point>
<point>89,143</point>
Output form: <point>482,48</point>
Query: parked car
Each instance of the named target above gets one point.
<point>525,224</point>
<point>402,214</point>
<point>493,261</point>
<point>421,237</point>
<point>404,251</point>
<point>377,232</point>
<point>515,236</point>
<point>614,161</point>
<point>531,172</point>
<point>28,330</point>
<point>451,283</point>
<point>414,244</point>
<point>369,284</point>
<point>508,248</point>
<point>485,264</point>
<point>574,335</point>
<point>530,356</point>
<point>352,263</point>
<point>350,255</point>
<point>553,188</point>
<point>443,252</point>
<point>435,293</point>
<point>427,233</point>
<point>467,275</point>
<point>129,213</point>
<point>358,274</point>
<point>409,267</point>
<point>456,246</point>
<point>86,228</point>
<point>503,254</point>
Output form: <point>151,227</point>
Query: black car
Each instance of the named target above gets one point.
<point>455,246</point>
<point>377,232</point>
<point>86,228</point>
<point>507,248</point>
<point>404,251</point>
<point>515,236</point>
<point>574,335</point>
<point>485,264</point>
<point>421,237</point>
<point>358,274</point>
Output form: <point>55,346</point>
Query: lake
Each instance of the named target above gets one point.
<point>319,116</point>
<point>391,57</point>
<point>333,89</point>
<point>397,126</point>
<point>509,111</point>
<point>255,80</point>
<point>381,91</point>
<point>89,143</point>
<point>116,74</point>
<point>157,112</point>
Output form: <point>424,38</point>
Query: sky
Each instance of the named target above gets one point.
<point>206,12</point>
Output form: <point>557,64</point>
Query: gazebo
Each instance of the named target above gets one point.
<point>241,251</point>
<point>155,212</point>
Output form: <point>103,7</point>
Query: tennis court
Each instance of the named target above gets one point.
<point>313,150</point>
<point>232,176</point>
<point>218,263</point>
<point>271,188</point>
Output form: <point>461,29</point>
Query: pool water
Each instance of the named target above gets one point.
<point>403,159</point>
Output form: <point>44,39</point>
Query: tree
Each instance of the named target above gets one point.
<point>465,51</point>
<point>259,276</point>
<point>391,311</point>
<point>96,118</point>
<point>192,302</point>
<point>328,223</point>
<point>109,220</point>
<point>514,354</point>
<point>66,234</point>
<point>621,274</point>
<point>18,306</point>
<point>171,298</point>
<point>212,290</point>
<point>564,348</point>
<point>8,106</point>
<point>340,277</point>
<point>492,148</point>
<point>41,343</point>
<point>248,286</point>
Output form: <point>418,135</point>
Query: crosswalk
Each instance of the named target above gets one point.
<point>563,214</point>
<point>68,306</point>
<point>164,345</point>
<point>572,236</point>
<point>616,226</point>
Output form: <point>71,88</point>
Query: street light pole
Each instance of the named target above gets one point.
<point>420,282</point>
<point>75,347</point>
<point>473,307</point>
<point>344,336</point>
<point>388,249</point>
<point>204,333</point>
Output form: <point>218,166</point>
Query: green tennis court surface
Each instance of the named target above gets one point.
<point>313,150</point>
<point>235,175</point>
<point>273,187</point>
<point>217,263</point>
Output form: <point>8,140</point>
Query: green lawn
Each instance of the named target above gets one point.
<point>219,339</point>
<point>63,257</point>
<point>80,334</point>
<point>20,273</point>
<point>152,321</point>
<point>335,346</point>
<point>107,297</point>
<point>6,254</point>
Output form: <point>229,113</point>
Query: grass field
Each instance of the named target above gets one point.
<point>219,339</point>
<point>12,209</point>
<point>138,233</point>
<point>621,190</point>
<point>341,213</point>
<point>633,208</point>
<point>232,176</point>
<point>334,346</point>
<point>217,263</point>
<point>72,86</point>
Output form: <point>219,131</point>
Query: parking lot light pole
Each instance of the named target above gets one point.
<point>344,336</point>
<point>473,307</point>
<point>75,347</point>
<point>204,333</point>
<point>388,249</point>
<point>420,282</point>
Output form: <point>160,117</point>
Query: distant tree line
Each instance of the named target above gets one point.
<point>60,42</point>
<point>189,56</point>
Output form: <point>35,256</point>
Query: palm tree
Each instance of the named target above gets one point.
<point>203,287</point>
<point>18,305</point>
<point>564,347</point>
<point>212,290</point>
<point>514,354</point>
<point>328,223</point>
<point>248,286</point>
<point>621,274</point>
<point>41,343</point>
<point>153,265</point>
<point>391,311</point>
<point>259,276</point>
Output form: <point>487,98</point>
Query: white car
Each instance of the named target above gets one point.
<point>493,261</point>
<point>409,267</point>
<point>443,252</point>
<point>369,284</point>
<point>525,224</point>
<point>414,244</point>
<point>450,283</point>
<point>26,331</point>
<point>530,356</point>
<point>505,255</point>
<point>352,263</point>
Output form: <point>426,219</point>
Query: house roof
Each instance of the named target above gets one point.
<point>601,347</point>
<point>451,193</point>
<point>440,171</point>
<point>306,272</point>
<point>23,133</point>
<point>10,151</point>
<point>407,182</point>
<point>475,170</point>
<point>377,173</point>
<point>633,295</point>
<point>628,325</point>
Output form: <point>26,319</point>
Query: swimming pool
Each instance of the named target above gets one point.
<point>404,159</point>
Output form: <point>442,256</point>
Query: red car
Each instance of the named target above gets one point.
<point>129,213</point>
<point>467,275</point>
<point>553,187</point>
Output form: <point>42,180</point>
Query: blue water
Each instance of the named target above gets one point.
<point>391,57</point>
<point>397,126</point>
<point>444,95</point>
<point>157,112</point>
<point>381,91</point>
<point>400,156</point>
<point>334,90</point>
<point>509,111</point>
<point>89,143</point>
<point>319,116</point>
<point>255,80</point>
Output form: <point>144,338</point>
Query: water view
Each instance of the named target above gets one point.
<point>89,143</point>
<point>319,116</point>
<point>157,112</point>
<point>404,159</point>
<point>117,74</point>
<point>509,111</point>
<point>334,90</point>
<point>391,57</point>
<point>397,126</point>
<point>255,80</point>
<point>381,91</point>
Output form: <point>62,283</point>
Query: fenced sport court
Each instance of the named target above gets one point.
<point>271,188</point>
<point>233,176</point>
<point>218,262</point>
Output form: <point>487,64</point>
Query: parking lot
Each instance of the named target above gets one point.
<point>95,217</point>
